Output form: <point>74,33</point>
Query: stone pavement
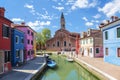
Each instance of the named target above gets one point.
<point>25,71</point>
<point>112,72</point>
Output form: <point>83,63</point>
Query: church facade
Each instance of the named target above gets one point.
<point>63,40</point>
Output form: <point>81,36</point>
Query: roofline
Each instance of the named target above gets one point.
<point>109,23</point>
<point>6,19</point>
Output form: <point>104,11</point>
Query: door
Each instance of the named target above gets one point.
<point>21,56</point>
<point>1,61</point>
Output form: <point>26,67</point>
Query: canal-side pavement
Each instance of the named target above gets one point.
<point>112,72</point>
<point>25,72</point>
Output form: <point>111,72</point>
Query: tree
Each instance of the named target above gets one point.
<point>39,40</point>
<point>42,37</point>
<point>46,34</point>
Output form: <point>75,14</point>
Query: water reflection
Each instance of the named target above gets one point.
<point>67,71</point>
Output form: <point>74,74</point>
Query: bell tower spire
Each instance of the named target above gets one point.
<point>62,21</point>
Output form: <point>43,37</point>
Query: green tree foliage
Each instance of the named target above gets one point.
<point>42,37</point>
<point>46,34</point>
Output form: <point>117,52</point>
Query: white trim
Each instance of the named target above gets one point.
<point>17,39</point>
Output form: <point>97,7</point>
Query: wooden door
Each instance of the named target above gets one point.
<point>1,61</point>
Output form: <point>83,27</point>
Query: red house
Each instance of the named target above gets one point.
<point>77,45</point>
<point>5,42</point>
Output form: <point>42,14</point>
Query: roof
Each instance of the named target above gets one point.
<point>6,19</point>
<point>21,25</point>
<point>104,25</point>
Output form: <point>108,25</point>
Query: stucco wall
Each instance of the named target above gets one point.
<point>112,44</point>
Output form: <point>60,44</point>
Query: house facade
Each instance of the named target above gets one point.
<point>17,47</point>
<point>5,42</point>
<point>91,43</point>
<point>34,44</point>
<point>28,40</point>
<point>111,41</point>
<point>63,40</point>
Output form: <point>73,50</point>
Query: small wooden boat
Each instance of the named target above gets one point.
<point>69,59</point>
<point>51,63</point>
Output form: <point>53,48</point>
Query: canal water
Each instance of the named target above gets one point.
<point>66,71</point>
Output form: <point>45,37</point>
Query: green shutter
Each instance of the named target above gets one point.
<point>118,32</point>
<point>106,35</point>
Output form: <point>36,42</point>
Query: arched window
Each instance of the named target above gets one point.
<point>64,43</point>
<point>58,44</point>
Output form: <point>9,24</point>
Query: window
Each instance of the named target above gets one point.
<point>106,35</point>
<point>118,52</point>
<point>28,53</point>
<point>118,32</point>
<point>90,50</point>
<point>106,51</point>
<point>97,50</point>
<point>69,44</point>
<point>7,56</point>
<point>5,31</point>
<point>86,41</point>
<point>28,41</point>
<point>22,40</point>
<point>32,33</point>
<point>53,45</point>
<point>18,53</point>
<point>58,44</point>
<point>81,49</point>
<point>48,45</point>
<point>64,43</point>
<point>91,40</point>
<point>31,42</point>
<point>28,31</point>
<point>17,39</point>
<point>81,42</point>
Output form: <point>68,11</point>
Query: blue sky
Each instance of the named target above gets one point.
<point>79,14</point>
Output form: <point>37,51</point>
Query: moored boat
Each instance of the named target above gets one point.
<point>51,63</point>
<point>69,59</point>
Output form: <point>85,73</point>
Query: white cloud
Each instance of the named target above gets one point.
<point>97,16</point>
<point>58,8</point>
<point>83,4</point>
<point>70,2</point>
<point>31,7</point>
<point>89,24</point>
<point>59,4</point>
<point>84,18</point>
<point>111,8</point>
<point>54,26</point>
<point>38,24</point>
<point>95,21</point>
<point>17,20</point>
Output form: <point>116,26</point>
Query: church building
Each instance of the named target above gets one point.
<point>63,40</point>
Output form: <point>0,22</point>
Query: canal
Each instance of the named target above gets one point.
<point>66,71</point>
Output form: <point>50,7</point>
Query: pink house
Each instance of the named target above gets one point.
<point>91,43</point>
<point>28,40</point>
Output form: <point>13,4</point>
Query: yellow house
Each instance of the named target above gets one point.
<point>34,44</point>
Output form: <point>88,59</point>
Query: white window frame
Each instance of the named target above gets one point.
<point>17,37</point>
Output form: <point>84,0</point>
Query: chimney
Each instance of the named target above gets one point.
<point>112,17</point>
<point>23,23</point>
<point>2,11</point>
<point>101,25</point>
<point>116,18</point>
<point>108,21</point>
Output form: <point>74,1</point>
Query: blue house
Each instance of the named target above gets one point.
<point>17,46</point>
<point>111,41</point>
